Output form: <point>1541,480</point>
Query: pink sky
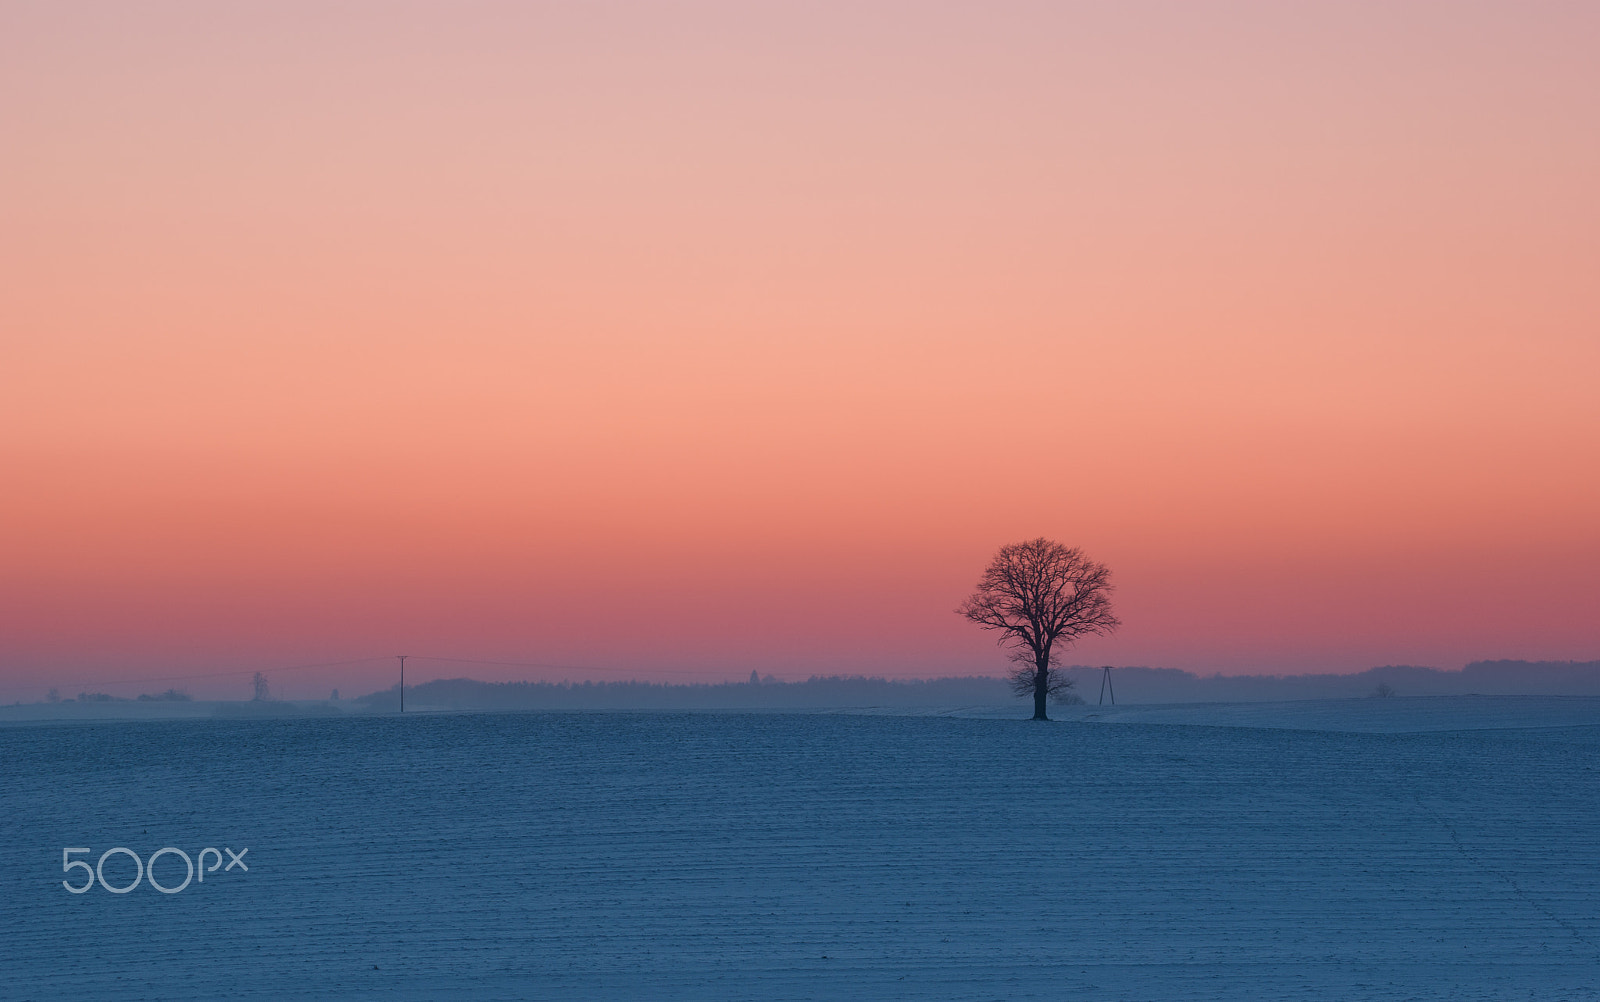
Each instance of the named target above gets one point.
<point>681,340</point>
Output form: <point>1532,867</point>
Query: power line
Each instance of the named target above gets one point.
<point>186,678</point>
<point>354,661</point>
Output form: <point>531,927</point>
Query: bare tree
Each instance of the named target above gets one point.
<point>1041,596</point>
<point>260,684</point>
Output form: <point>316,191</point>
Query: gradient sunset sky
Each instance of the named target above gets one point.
<point>678,340</point>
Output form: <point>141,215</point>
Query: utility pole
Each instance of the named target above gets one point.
<point>403,657</point>
<point>1105,682</point>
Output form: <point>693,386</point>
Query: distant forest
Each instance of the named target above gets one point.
<point>1132,686</point>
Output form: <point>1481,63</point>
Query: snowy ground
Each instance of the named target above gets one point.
<point>1375,716</point>
<point>1440,848</point>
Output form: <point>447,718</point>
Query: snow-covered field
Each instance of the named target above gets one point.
<point>1444,848</point>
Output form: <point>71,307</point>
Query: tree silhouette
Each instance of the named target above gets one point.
<point>1041,596</point>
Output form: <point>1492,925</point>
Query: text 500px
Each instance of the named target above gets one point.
<point>146,870</point>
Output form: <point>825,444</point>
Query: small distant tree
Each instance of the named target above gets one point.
<point>1041,596</point>
<point>1383,691</point>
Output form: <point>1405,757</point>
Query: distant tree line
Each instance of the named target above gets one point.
<point>815,692</point>
<point>1134,685</point>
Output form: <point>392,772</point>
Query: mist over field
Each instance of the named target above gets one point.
<point>1125,686</point>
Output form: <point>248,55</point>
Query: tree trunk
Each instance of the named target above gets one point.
<point>1041,689</point>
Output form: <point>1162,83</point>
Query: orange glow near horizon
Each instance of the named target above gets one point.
<point>684,341</point>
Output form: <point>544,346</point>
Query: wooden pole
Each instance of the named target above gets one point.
<point>402,658</point>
